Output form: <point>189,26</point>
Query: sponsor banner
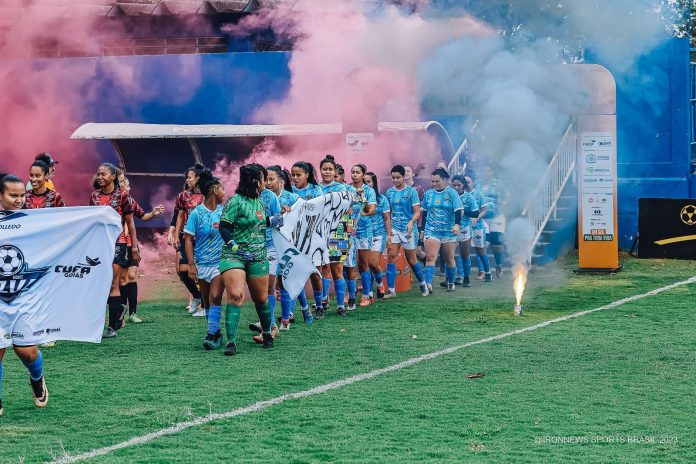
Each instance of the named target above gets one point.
<point>359,141</point>
<point>667,228</point>
<point>302,243</point>
<point>55,272</point>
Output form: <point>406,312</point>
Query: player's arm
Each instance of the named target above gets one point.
<point>387,224</point>
<point>130,223</point>
<point>156,211</point>
<point>188,249</point>
<point>177,228</point>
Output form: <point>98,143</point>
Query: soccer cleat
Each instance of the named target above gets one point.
<point>443,284</point>
<point>451,287</point>
<point>319,313</point>
<point>307,315</point>
<point>351,304</point>
<point>284,325</point>
<point>213,342</point>
<point>231,349</point>
<point>365,301</point>
<point>267,341</point>
<point>341,311</point>
<point>380,292</point>
<point>459,281</point>
<point>499,271</point>
<point>430,289</point>
<point>488,278</point>
<point>193,307</point>
<point>424,290</point>
<point>48,345</point>
<point>325,304</point>
<point>40,392</point>
<point>481,276</point>
<point>199,313</point>
<point>110,333</point>
<point>255,327</point>
<point>389,294</point>
<point>275,331</point>
<point>292,318</point>
<point>134,319</point>
<point>466,282</point>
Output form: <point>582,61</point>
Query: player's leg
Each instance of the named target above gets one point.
<point>32,359</point>
<point>448,249</point>
<point>257,281</point>
<point>377,248</point>
<point>2,355</point>
<point>432,251</point>
<point>364,268</point>
<point>216,287</point>
<point>339,286</point>
<point>188,281</point>
<point>234,280</point>
<point>392,255</point>
<point>132,295</point>
<point>465,254</point>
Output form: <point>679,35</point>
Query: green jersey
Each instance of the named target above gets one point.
<point>248,219</point>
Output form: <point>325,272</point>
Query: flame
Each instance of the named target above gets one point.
<point>519,284</point>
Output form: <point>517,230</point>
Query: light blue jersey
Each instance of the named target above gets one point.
<point>379,228</point>
<point>441,207</point>
<point>203,225</point>
<point>287,198</point>
<point>272,205</point>
<point>481,202</point>
<point>494,192</point>
<point>364,228</point>
<point>333,187</point>
<point>309,192</point>
<point>470,204</point>
<point>401,203</point>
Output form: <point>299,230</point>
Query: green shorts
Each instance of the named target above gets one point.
<point>252,269</point>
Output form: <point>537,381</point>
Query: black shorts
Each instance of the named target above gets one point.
<point>181,250</point>
<point>123,256</point>
<point>131,263</point>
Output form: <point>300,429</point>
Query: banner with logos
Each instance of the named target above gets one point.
<point>302,243</point>
<point>55,273</point>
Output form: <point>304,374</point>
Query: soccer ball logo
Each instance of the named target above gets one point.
<point>11,260</point>
<point>688,215</point>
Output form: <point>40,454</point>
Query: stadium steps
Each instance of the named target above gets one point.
<point>560,234</point>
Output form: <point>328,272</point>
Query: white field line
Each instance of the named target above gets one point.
<point>135,441</point>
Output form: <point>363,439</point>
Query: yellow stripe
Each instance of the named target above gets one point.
<point>667,241</point>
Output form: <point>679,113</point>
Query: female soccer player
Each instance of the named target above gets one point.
<point>51,163</point>
<point>442,213</point>
<point>363,232</point>
<point>129,279</point>
<point>244,260</point>
<point>278,182</point>
<point>338,242</point>
<point>478,231</point>
<point>472,210</point>
<point>495,194</point>
<point>381,223</point>
<point>40,196</point>
<point>203,249</point>
<point>185,202</point>
<point>108,193</point>
<point>405,212</point>
<point>305,185</point>
<point>12,194</point>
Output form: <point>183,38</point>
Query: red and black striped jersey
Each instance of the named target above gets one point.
<point>48,199</point>
<point>186,202</point>
<point>118,200</point>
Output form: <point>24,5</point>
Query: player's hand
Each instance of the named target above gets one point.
<point>474,221</point>
<point>455,229</point>
<point>157,210</point>
<point>285,209</point>
<point>176,242</point>
<point>136,256</point>
<point>170,237</point>
<point>276,221</point>
<point>409,229</point>
<point>193,272</point>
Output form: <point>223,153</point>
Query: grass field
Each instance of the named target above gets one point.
<point>576,391</point>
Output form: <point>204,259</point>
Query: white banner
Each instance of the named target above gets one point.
<point>302,243</point>
<point>55,273</point>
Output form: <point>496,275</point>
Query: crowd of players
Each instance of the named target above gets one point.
<point>225,246</point>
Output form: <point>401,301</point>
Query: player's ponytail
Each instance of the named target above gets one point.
<point>206,182</point>
<point>309,169</point>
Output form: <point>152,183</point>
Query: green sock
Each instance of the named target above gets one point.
<point>265,316</point>
<point>232,315</point>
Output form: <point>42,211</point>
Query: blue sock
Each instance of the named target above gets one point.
<point>486,263</point>
<point>498,256</point>
<point>351,289</point>
<point>318,295</point>
<point>418,272</point>
<point>35,367</point>
<point>285,304</point>
<point>326,286</point>
<point>391,276</point>
<point>429,274</point>
<point>451,273</point>
<point>271,303</point>
<point>366,280</point>
<point>467,266</point>
<point>460,266</point>
<point>340,287</point>
<point>479,263</point>
<point>214,316</point>
<point>379,278</point>
<point>0,380</point>
<point>302,297</point>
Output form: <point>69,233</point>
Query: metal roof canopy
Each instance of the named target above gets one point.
<point>121,134</point>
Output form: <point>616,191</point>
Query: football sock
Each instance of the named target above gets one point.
<point>451,273</point>
<point>418,272</point>
<point>271,304</point>
<point>391,276</point>
<point>264,312</point>
<point>351,288</point>
<point>214,315</point>
<point>429,274</point>
<point>326,287</point>
<point>486,263</point>
<point>35,367</point>
<point>379,279</point>
<point>115,310</point>
<point>498,256</point>
<point>285,305</point>
<point>190,285</point>
<point>318,295</point>
<point>232,315</point>
<point>123,289</point>
<point>132,297</point>
<point>467,266</point>
<point>340,287</point>
<point>460,266</point>
<point>479,263</point>
<point>302,297</point>
<point>366,280</point>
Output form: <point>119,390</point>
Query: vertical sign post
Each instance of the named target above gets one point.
<point>597,234</point>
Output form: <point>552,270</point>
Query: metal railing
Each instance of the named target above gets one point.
<point>455,165</point>
<point>541,205</point>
